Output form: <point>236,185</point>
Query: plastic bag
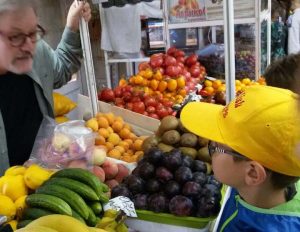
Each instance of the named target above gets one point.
<point>63,145</point>
<point>62,104</point>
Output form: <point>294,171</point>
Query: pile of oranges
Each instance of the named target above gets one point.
<point>154,83</point>
<point>116,137</point>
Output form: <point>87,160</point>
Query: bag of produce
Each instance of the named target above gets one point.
<point>68,144</point>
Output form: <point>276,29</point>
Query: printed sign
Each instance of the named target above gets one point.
<point>183,11</point>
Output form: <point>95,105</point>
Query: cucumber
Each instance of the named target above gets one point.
<point>82,176</point>
<point>34,213</point>
<point>73,199</point>
<point>103,198</point>
<point>23,223</point>
<point>77,216</point>
<point>96,207</point>
<point>82,189</point>
<point>49,202</point>
<point>92,219</point>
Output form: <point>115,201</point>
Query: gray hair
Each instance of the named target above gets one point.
<point>9,5</point>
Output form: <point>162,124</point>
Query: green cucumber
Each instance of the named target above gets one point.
<point>77,216</point>
<point>92,219</point>
<point>23,223</point>
<point>34,213</point>
<point>96,207</point>
<point>82,189</point>
<point>103,198</point>
<point>73,199</point>
<point>49,202</point>
<point>82,176</point>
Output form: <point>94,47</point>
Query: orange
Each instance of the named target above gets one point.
<point>216,84</point>
<point>110,117</point>
<point>120,149</point>
<point>210,90</point>
<point>222,88</point>
<point>158,76</point>
<point>162,86</point>
<point>117,126</point>
<point>132,136</point>
<point>109,146</point>
<point>127,158</point>
<point>114,153</point>
<point>208,83</point>
<point>124,144</point>
<point>137,145</point>
<point>180,82</point>
<point>138,80</point>
<point>172,85</point>
<point>103,132</point>
<point>178,99</point>
<point>130,152</point>
<point>154,84</point>
<point>125,133</point>
<point>102,122</point>
<point>131,80</point>
<point>99,140</point>
<point>114,139</point>
<point>139,155</point>
<point>145,82</point>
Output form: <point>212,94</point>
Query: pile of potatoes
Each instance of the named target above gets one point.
<point>171,134</point>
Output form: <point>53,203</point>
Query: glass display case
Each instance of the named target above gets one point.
<point>252,21</point>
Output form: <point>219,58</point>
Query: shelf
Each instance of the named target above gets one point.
<point>127,60</point>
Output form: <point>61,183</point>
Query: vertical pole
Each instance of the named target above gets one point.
<point>269,33</point>
<point>229,49</point>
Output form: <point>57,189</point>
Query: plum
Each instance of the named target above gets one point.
<point>181,206</point>
<point>210,190</point>
<point>154,155</point>
<point>172,161</point>
<point>199,177</point>
<point>183,174</point>
<point>136,171</point>
<point>141,201</point>
<point>187,161</point>
<point>135,184</point>
<point>158,203</point>
<point>199,166</point>
<point>172,188</point>
<point>207,207</point>
<point>191,189</point>
<point>153,186</point>
<point>120,190</point>
<point>176,151</point>
<point>163,174</point>
<point>211,180</point>
<point>146,170</point>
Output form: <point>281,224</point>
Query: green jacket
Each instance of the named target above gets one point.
<point>51,70</point>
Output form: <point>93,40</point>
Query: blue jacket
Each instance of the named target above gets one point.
<point>240,216</point>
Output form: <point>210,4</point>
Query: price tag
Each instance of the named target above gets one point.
<point>121,203</point>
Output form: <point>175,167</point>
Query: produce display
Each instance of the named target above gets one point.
<point>116,137</point>
<point>160,83</point>
<point>172,182</point>
<point>73,192</point>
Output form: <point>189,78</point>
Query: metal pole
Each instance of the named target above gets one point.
<point>88,65</point>
<point>229,49</point>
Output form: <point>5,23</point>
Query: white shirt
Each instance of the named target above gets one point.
<point>294,33</point>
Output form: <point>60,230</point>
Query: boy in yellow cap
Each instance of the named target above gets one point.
<point>253,147</point>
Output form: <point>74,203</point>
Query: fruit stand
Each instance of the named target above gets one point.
<point>128,143</point>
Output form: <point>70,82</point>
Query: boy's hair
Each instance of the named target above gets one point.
<point>7,5</point>
<point>282,73</point>
<point>278,180</point>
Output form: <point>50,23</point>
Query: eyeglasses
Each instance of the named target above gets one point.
<point>19,39</point>
<point>214,147</point>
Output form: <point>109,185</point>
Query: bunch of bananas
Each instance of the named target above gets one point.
<point>113,221</point>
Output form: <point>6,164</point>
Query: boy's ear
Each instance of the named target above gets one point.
<point>255,173</point>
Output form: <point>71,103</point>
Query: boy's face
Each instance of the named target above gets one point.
<point>226,169</point>
<point>13,24</point>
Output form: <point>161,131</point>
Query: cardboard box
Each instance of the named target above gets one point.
<point>141,125</point>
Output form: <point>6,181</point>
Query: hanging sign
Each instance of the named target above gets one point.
<point>184,11</point>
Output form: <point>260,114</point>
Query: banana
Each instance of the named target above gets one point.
<point>121,228</point>
<point>60,223</point>
<point>36,229</point>
<point>104,222</point>
<point>93,229</point>
<point>111,213</point>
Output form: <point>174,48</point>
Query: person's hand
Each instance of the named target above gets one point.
<point>77,10</point>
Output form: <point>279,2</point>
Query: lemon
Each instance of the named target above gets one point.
<point>7,207</point>
<point>14,187</point>
<point>15,170</point>
<point>35,176</point>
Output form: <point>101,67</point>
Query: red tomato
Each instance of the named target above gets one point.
<point>150,109</point>
<point>135,99</point>
<point>192,59</point>
<point>167,103</point>
<point>153,115</point>
<point>170,60</point>
<point>173,70</point>
<point>186,73</point>
<point>146,113</point>
<point>119,101</point>
<point>180,59</point>
<point>179,53</point>
<point>106,95</point>
<point>162,112</point>
<point>195,70</point>
<point>127,96</point>
<point>120,105</point>
<point>144,66</point>
<point>156,60</point>
<point>203,93</point>
<point>118,91</point>
<point>150,101</point>
<point>127,88</point>
<point>129,105</point>
<point>171,51</point>
<point>138,107</point>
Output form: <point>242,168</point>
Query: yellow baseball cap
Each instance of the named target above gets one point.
<point>262,123</point>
